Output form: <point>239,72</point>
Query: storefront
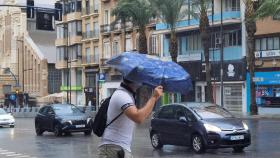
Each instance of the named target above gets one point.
<point>267,89</point>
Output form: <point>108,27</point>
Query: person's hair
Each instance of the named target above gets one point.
<point>127,81</point>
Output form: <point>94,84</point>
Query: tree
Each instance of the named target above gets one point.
<point>251,29</point>
<point>170,12</point>
<point>204,28</point>
<point>267,8</point>
<point>139,12</point>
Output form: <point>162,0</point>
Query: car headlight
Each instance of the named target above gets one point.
<point>88,120</point>
<point>211,128</point>
<point>64,121</point>
<point>12,120</point>
<point>245,126</point>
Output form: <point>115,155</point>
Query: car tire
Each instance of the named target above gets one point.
<point>155,141</point>
<point>38,130</point>
<point>87,133</point>
<point>238,149</point>
<point>197,144</point>
<point>57,130</point>
<point>12,126</point>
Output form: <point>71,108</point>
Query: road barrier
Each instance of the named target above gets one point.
<point>29,112</point>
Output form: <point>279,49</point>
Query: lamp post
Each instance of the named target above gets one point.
<point>222,55</point>
<point>8,70</point>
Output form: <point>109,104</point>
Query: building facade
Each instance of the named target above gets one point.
<point>24,53</point>
<point>267,74</point>
<point>191,55</point>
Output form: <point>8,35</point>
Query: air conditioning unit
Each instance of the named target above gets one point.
<point>218,42</point>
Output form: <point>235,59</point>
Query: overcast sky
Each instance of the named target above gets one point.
<point>38,3</point>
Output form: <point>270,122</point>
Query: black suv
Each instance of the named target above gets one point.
<point>62,118</point>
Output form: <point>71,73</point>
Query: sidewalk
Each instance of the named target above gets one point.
<point>260,116</point>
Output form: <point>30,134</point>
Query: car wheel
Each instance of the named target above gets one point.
<point>155,140</point>
<point>87,133</point>
<point>12,126</point>
<point>38,130</point>
<point>238,149</point>
<point>57,130</point>
<point>197,144</point>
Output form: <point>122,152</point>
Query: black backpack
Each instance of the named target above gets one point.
<point>99,123</point>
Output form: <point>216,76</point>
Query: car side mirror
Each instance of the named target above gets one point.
<point>183,119</point>
<point>51,113</point>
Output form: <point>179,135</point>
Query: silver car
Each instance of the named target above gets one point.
<point>6,119</point>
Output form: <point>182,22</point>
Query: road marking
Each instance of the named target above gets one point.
<point>11,154</point>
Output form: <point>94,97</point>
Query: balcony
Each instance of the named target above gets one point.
<point>105,29</point>
<point>230,15</point>
<point>74,16</point>
<point>90,60</point>
<point>60,42</point>
<point>60,64</point>
<point>116,28</point>
<point>75,39</point>
<point>129,26</point>
<point>90,35</point>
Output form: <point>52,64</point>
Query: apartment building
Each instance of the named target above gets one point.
<point>69,50</point>
<point>267,74</point>
<point>191,55</point>
<point>27,49</point>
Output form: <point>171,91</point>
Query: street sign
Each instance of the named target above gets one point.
<point>101,77</point>
<point>13,97</point>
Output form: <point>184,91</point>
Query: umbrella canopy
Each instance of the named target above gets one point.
<point>152,71</point>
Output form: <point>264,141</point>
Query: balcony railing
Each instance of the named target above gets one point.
<point>90,34</point>
<point>105,28</point>
<point>91,59</point>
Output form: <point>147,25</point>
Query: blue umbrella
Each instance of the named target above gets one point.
<point>152,71</point>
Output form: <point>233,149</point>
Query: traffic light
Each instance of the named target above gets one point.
<point>58,11</point>
<point>30,8</point>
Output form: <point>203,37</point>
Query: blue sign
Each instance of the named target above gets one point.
<point>267,78</point>
<point>101,77</point>
<point>13,97</point>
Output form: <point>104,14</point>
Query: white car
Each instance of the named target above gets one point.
<point>6,119</point>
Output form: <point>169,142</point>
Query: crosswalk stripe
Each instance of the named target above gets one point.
<point>23,156</point>
<point>7,153</point>
<point>14,155</point>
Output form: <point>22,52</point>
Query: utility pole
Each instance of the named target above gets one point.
<point>222,56</point>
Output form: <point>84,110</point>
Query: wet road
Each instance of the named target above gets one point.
<point>22,142</point>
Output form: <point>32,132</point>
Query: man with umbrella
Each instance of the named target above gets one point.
<point>117,137</point>
<point>137,68</point>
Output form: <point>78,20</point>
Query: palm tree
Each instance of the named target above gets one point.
<point>170,12</point>
<point>204,28</point>
<point>267,8</point>
<point>251,28</point>
<point>139,12</point>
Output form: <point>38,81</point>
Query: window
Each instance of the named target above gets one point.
<point>258,45</point>
<point>88,55</point>
<point>96,54</point>
<point>44,110</point>
<point>116,49</point>
<point>232,5</point>
<point>90,80</point>
<point>60,54</point>
<point>232,38</point>
<point>276,43</point>
<point>269,43</point>
<point>95,29</point>
<point>106,17</point>
<point>79,77</point>
<point>95,7</point>
<point>87,7</point>
<point>60,31</point>
<point>128,44</point>
<point>263,44</point>
<point>107,53</point>
<point>87,30</point>
<point>153,44</point>
<point>167,113</point>
<point>65,76</point>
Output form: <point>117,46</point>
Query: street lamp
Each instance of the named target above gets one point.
<point>222,55</point>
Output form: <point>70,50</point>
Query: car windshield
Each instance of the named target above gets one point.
<point>61,109</point>
<point>2,112</point>
<point>212,112</point>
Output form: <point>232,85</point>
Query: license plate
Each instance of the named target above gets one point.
<point>80,126</point>
<point>238,137</point>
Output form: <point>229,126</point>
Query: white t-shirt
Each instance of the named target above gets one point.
<point>120,132</point>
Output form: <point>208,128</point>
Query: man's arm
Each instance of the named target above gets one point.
<point>139,115</point>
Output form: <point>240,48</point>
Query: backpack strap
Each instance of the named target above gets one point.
<point>114,119</point>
